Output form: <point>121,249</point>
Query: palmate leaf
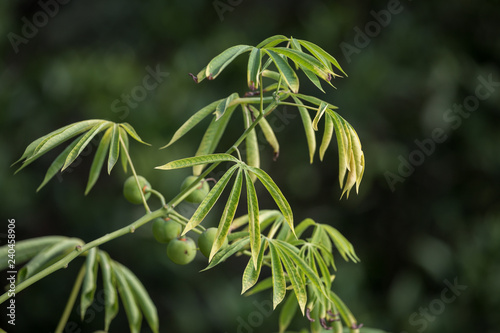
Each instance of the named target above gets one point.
<point>115,134</point>
<point>344,247</point>
<point>296,280</point>
<point>28,248</point>
<point>44,144</point>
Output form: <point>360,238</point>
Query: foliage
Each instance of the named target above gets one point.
<point>305,265</point>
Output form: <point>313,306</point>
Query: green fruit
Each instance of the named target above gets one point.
<point>132,193</point>
<point>181,250</point>
<point>166,230</point>
<point>206,240</point>
<point>199,193</point>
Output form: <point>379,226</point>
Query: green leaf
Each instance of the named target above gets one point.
<point>224,105</point>
<point>55,138</point>
<point>261,286</point>
<point>227,215</point>
<point>295,278</point>
<point>313,78</point>
<point>197,160</point>
<point>291,251</point>
<point>192,122</point>
<point>128,299</point>
<point>123,157</point>
<point>212,137</point>
<point>84,141</point>
<point>279,283</point>
<point>253,217</point>
<point>251,143</point>
<point>272,41</point>
<point>227,251</point>
<point>268,132</point>
<point>109,285</point>
<point>252,270</point>
<point>27,249</point>
<point>325,272</point>
<point>114,149</point>
<point>287,73</point>
<point>254,66</point>
<point>57,164</point>
<point>287,313</point>
<point>217,64</point>
<point>308,128</point>
<point>47,257</point>
<point>343,245</point>
<point>97,163</point>
<point>276,193</point>
<point>321,54</point>
<point>210,200</point>
<point>358,155</point>
<point>319,114</point>
<point>327,136</point>
<point>305,61</point>
<point>343,145</point>
<point>344,311</point>
<point>271,74</point>
<point>131,131</point>
<point>89,281</point>
<point>142,298</point>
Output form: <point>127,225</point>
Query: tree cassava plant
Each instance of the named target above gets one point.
<point>302,268</point>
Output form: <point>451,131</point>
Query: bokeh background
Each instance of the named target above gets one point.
<point>414,228</point>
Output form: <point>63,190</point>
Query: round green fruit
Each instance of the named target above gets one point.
<point>206,240</point>
<point>166,230</point>
<point>199,193</point>
<point>181,250</point>
<point>132,193</point>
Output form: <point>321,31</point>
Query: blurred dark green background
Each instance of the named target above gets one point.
<point>440,221</point>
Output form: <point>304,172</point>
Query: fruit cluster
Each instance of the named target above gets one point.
<point>181,250</point>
